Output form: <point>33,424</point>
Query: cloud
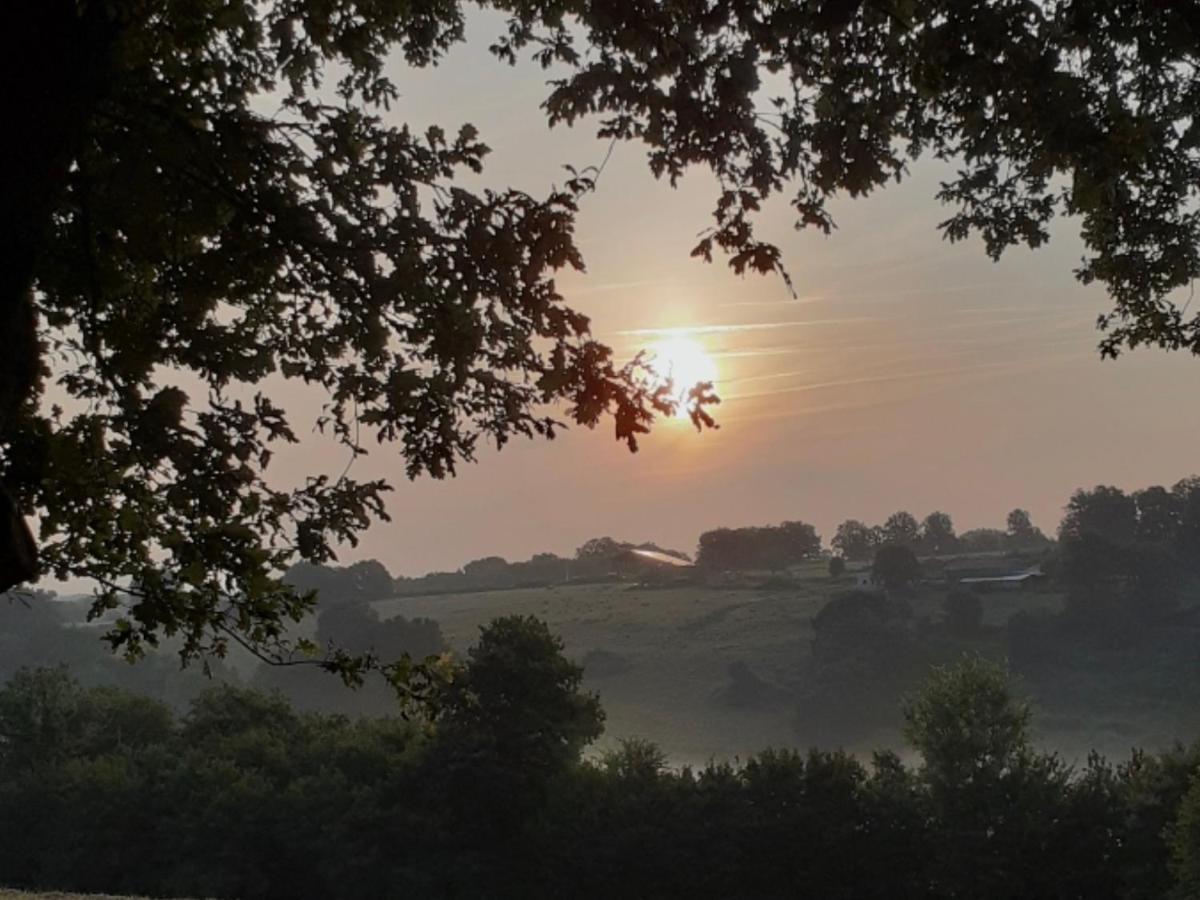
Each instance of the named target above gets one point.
<point>1007,367</point>
<point>584,289</point>
<point>692,330</point>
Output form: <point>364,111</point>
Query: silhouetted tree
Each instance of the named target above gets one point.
<point>984,783</point>
<point>1158,516</point>
<point>245,797</point>
<point>901,528</point>
<point>967,725</point>
<point>358,628</point>
<point>1105,512</point>
<point>362,582</point>
<point>487,567</point>
<point>855,540</point>
<point>1021,531</point>
<point>982,540</point>
<point>1184,838</point>
<point>937,534</point>
<point>1188,536</point>
<point>513,719</point>
<point>168,222</point>
<point>862,624</point>
<point>1089,560</point>
<point>172,223</point>
<point>895,566</point>
<point>488,572</point>
<point>604,548</point>
<point>765,547</point>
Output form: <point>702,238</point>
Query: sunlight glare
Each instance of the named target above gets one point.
<point>685,364</point>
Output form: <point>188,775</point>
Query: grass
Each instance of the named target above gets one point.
<point>667,652</point>
<point>675,645</point>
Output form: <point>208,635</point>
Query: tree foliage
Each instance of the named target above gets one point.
<point>197,234</point>
<point>362,582</point>
<point>1104,512</point>
<point>1046,108</point>
<point>1021,532</point>
<point>966,721</point>
<point>855,540</point>
<point>895,566</point>
<point>984,540</point>
<point>901,528</point>
<point>761,547</point>
<point>860,624</point>
<point>245,797</point>
<point>187,249</point>
<point>937,534</point>
<point>1127,556</point>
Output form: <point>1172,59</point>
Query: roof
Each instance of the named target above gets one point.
<point>992,579</point>
<point>665,558</point>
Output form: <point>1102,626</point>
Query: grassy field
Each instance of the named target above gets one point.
<point>662,654</point>
<point>659,657</point>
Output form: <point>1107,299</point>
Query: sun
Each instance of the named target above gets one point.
<point>685,364</point>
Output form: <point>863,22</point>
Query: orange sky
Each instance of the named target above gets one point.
<point>911,374</point>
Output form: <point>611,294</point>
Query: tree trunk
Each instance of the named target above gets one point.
<point>54,67</point>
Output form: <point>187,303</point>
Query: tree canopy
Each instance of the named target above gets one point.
<point>178,248</point>
<point>856,540</point>
<point>759,547</point>
<point>196,249</point>
<point>901,528</point>
<point>937,534</point>
<point>246,797</point>
<point>895,566</point>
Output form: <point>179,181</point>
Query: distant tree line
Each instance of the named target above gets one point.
<point>1128,554</point>
<point>595,559</point>
<point>1113,638</point>
<point>244,797</point>
<point>1108,518</point>
<point>1155,520</point>
<point>348,620</point>
<point>934,536</point>
<point>767,547</point>
<point>37,627</point>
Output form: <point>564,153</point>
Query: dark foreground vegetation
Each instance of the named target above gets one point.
<point>494,796</point>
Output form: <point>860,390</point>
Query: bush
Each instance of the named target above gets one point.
<point>244,797</point>
<point>862,654</point>
<point>859,623</point>
<point>895,566</point>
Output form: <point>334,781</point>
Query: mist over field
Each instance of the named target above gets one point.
<point>768,637</point>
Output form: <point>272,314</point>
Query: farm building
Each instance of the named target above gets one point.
<point>997,581</point>
<point>657,557</point>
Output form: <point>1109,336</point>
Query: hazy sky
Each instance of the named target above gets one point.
<point>911,374</point>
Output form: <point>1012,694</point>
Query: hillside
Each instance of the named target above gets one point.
<point>660,657</point>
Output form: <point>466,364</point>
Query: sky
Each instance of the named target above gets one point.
<point>909,373</point>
